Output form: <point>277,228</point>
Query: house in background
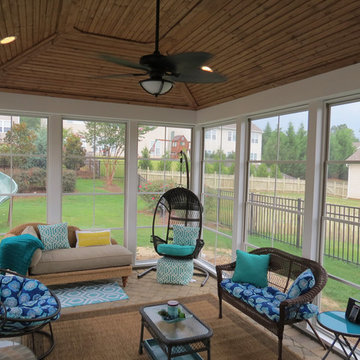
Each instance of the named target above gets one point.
<point>354,174</point>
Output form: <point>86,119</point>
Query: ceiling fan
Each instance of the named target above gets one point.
<point>164,70</point>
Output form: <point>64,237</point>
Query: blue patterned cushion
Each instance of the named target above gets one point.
<point>175,250</point>
<point>54,236</point>
<point>302,284</point>
<point>185,235</point>
<point>267,300</point>
<point>25,299</point>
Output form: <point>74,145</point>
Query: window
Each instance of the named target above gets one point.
<point>93,175</point>
<point>156,175</point>
<point>23,172</point>
<point>210,134</point>
<point>255,138</point>
<point>231,135</point>
<point>218,194</point>
<point>276,184</point>
<point>341,211</point>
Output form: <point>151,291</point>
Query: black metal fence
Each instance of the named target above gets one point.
<point>282,220</point>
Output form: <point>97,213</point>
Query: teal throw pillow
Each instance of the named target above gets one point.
<point>54,236</point>
<point>251,268</point>
<point>185,235</point>
<point>175,250</point>
<point>302,284</point>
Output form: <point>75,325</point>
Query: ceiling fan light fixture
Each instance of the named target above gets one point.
<point>156,86</point>
<point>7,40</point>
<point>207,68</point>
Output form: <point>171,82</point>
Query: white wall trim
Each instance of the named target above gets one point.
<point>46,105</point>
<point>54,170</point>
<point>314,181</point>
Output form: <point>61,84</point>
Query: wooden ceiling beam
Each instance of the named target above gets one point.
<point>29,54</point>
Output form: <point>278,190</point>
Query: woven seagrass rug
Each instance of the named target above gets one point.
<point>114,334</point>
<point>89,293</point>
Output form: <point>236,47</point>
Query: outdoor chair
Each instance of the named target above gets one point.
<point>176,231</point>
<point>26,307</point>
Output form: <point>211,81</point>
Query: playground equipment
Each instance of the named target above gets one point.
<point>8,187</point>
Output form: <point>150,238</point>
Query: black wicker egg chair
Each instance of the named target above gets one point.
<point>177,206</point>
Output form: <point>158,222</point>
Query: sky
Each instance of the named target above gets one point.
<point>348,114</point>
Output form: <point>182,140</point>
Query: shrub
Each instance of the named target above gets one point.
<point>30,180</point>
<point>68,180</point>
<point>151,187</point>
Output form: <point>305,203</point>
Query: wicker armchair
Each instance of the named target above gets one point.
<point>283,268</point>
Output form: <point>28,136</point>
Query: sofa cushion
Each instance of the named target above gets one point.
<point>267,300</point>
<point>175,250</point>
<point>54,236</point>
<point>82,258</point>
<point>302,284</point>
<point>251,268</point>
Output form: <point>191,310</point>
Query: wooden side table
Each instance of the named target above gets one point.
<point>336,322</point>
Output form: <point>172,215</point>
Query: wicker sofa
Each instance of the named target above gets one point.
<point>283,269</point>
<point>62,266</point>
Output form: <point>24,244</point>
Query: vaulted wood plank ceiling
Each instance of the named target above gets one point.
<point>257,45</point>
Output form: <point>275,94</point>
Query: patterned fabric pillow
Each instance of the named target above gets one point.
<point>302,284</point>
<point>185,235</point>
<point>54,236</point>
<point>25,299</point>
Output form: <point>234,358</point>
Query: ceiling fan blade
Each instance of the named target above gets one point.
<point>124,62</point>
<point>197,76</point>
<point>120,75</point>
<point>190,60</point>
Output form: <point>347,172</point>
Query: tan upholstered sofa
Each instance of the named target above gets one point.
<point>62,266</point>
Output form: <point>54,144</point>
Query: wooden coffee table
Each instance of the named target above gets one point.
<point>180,338</point>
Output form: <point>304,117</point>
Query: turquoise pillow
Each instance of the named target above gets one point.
<point>54,236</point>
<point>302,284</point>
<point>251,268</point>
<point>185,235</point>
<point>175,250</point>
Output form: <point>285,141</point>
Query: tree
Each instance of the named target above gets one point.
<point>41,149</point>
<point>31,122</point>
<point>341,147</point>
<point>74,153</point>
<point>145,162</point>
<point>20,141</point>
<point>262,170</point>
<point>109,140</point>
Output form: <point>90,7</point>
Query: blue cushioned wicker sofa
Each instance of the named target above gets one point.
<point>282,301</point>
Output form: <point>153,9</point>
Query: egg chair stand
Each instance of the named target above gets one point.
<point>177,206</point>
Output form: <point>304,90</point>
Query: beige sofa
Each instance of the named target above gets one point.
<point>62,266</point>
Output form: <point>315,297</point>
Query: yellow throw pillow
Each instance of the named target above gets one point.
<point>93,238</point>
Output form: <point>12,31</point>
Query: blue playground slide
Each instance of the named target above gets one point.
<point>7,186</point>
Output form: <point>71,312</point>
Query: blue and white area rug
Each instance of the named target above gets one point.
<point>90,293</point>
